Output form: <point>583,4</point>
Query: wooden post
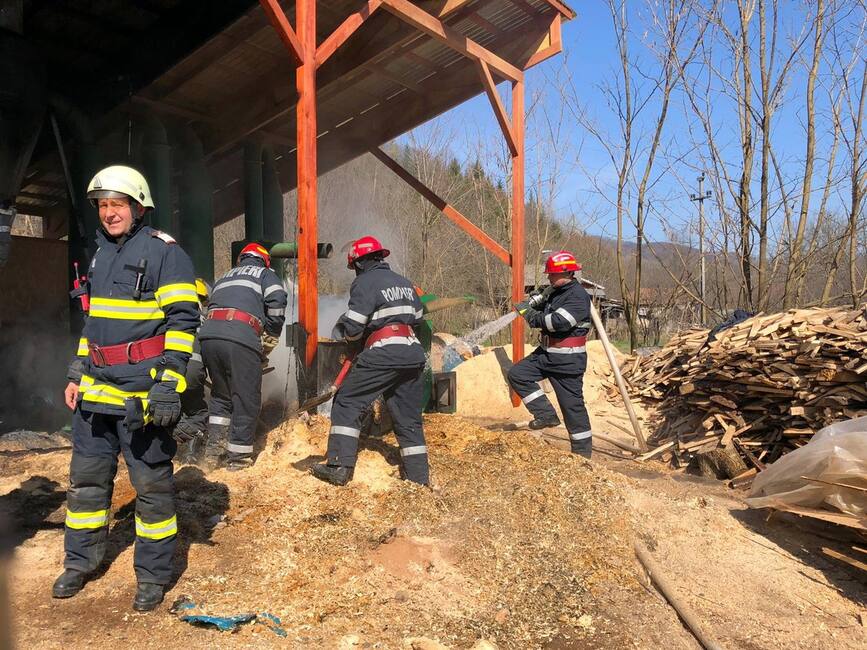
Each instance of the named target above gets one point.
<point>305,18</point>
<point>518,251</point>
<point>609,352</point>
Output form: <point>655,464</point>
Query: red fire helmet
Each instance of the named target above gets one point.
<point>562,262</point>
<point>256,250</point>
<point>364,246</point>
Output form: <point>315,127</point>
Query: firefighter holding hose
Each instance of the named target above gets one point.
<point>125,386</point>
<point>562,313</point>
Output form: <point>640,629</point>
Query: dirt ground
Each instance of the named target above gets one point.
<point>519,544</point>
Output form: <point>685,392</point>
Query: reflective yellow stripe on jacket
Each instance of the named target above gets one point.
<point>83,520</point>
<point>90,391</point>
<point>169,375</point>
<point>122,309</point>
<point>159,530</point>
<point>180,341</point>
<point>179,292</point>
<point>82,347</point>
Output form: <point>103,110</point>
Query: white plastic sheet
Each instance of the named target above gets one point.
<point>836,454</point>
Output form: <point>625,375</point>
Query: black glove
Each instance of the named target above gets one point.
<point>522,307</point>
<point>540,296</point>
<point>337,332</point>
<point>186,430</point>
<point>134,419</point>
<point>75,370</point>
<point>165,404</point>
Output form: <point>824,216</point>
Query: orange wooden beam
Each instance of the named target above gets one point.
<point>344,31</point>
<point>448,210</point>
<point>497,105</point>
<point>284,30</point>
<point>305,77</point>
<point>564,10</point>
<point>556,46</point>
<point>422,20</point>
<point>518,243</point>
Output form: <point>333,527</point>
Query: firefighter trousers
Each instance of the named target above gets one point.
<point>236,394</point>
<point>403,390</point>
<point>567,379</point>
<point>97,439</point>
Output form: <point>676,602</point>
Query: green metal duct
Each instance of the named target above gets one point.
<point>156,162</point>
<point>254,209</point>
<point>195,202</point>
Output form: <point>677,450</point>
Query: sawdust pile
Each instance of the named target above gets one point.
<point>483,392</point>
<point>515,544</point>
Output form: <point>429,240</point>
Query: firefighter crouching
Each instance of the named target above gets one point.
<point>194,406</point>
<point>246,312</point>
<point>383,311</point>
<point>125,386</point>
<point>562,312</point>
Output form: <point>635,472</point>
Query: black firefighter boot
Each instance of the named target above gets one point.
<point>334,474</point>
<point>215,446</point>
<point>69,583</point>
<point>237,462</point>
<point>544,422</point>
<point>147,597</point>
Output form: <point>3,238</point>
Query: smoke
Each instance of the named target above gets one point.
<point>353,202</point>
<point>279,386</point>
<point>33,365</point>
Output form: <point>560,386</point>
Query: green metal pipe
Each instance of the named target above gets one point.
<point>284,250</point>
<point>195,202</point>
<point>156,160</point>
<point>272,198</point>
<point>254,209</point>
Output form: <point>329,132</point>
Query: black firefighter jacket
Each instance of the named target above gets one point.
<point>380,297</point>
<point>255,289</point>
<point>168,305</point>
<point>565,314</point>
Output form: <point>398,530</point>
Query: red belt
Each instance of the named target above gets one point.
<point>115,355</point>
<point>568,342</point>
<point>221,313</point>
<point>387,332</point>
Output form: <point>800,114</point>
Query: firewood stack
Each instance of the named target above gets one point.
<point>761,388</point>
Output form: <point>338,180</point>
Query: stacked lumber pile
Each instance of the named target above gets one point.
<point>761,388</point>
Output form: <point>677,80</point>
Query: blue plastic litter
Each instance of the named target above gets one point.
<point>222,623</point>
<point>225,623</point>
<point>274,625</point>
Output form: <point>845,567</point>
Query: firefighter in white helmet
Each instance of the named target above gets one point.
<point>125,386</point>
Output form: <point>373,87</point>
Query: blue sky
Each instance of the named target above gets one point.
<point>582,165</point>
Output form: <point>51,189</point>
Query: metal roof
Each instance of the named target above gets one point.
<point>232,79</point>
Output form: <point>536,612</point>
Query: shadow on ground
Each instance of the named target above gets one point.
<point>804,538</point>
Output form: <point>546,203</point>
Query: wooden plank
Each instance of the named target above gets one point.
<point>656,451</point>
<point>834,483</point>
<point>497,104</point>
<point>858,564</point>
<point>518,248</point>
<point>434,28</point>
<point>284,30</point>
<point>346,29</point>
<point>448,210</point>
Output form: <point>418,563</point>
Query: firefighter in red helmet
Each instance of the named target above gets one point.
<point>384,310</point>
<point>562,313</point>
<point>246,311</point>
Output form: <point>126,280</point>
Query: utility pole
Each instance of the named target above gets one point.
<point>701,197</point>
